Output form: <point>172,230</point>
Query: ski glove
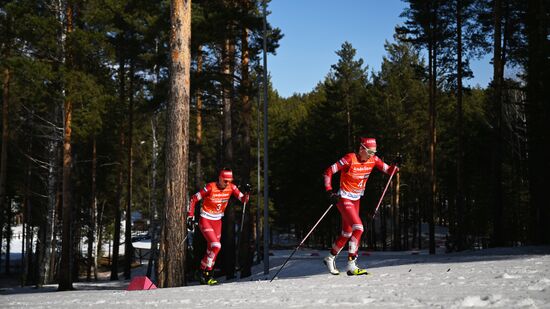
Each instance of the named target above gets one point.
<point>398,160</point>
<point>332,197</point>
<point>191,223</point>
<point>246,197</point>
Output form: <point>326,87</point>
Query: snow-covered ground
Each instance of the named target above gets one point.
<point>502,277</point>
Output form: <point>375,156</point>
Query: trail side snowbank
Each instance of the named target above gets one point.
<point>502,277</point>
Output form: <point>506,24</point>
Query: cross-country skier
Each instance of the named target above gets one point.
<point>355,169</point>
<point>216,195</point>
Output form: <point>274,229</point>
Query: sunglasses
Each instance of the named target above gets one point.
<point>369,151</point>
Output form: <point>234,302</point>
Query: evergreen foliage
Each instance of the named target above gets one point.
<point>119,57</point>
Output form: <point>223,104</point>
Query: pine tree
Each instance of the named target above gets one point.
<point>172,253</point>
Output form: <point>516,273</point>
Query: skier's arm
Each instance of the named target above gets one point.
<point>333,169</point>
<point>239,195</point>
<point>383,166</point>
<point>196,198</point>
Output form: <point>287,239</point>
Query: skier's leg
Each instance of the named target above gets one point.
<point>339,243</point>
<point>346,232</point>
<point>216,246</point>
<point>355,239</point>
<point>210,229</point>
<point>356,227</point>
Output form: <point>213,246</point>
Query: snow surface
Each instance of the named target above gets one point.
<point>502,277</point>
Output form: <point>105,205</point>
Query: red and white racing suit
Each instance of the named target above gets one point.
<point>212,211</point>
<point>354,176</point>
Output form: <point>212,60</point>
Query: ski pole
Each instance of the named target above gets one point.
<point>384,193</point>
<point>247,189</point>
<point>302,242</point>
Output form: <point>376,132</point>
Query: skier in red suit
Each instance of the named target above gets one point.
<point>355,168</point>
<point>216,195</point>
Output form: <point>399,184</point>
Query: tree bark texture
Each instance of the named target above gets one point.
<point>118,215</point>
<point>172,253</point>
<point>128,248</point>
<point>228,234</point>
<point>198,172</point>
<point>460,211</point>
<point>4,151</point>
<point>65,276</point>
<point>92,227</point>
<point>498,224</point>
<point>245,250</point>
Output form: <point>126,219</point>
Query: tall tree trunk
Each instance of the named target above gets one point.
<point>99,239</point>
<point>498,224</point>
<point>348,121</point>
<point>228,67</point>
<point>27,212</point>
<point>57,225</point>
<point>246,116</point>
<point>198,174</point>
<point>460,213</point>
<point>65,276</point>
<point>432,48</point>
<point>76,227</point>
<point>128,248</point>
<point>396,214</point>
<point>228,238</point>
<point>4,151</point>
<point>8,238</point>
<point>92,228</point>
<point>154,229</point>
<point>172,253</point>
<point>46,252</point>
<point>118,212</point>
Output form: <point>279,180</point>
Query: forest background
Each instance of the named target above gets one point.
<point>86,125</point>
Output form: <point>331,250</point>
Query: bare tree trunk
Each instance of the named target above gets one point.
<point>348,121</point>
<point>198,174</point>
<point>118,214</point>
<point>172,253</point>
<point>4,151</point>
<point>498,225</point>
<point>406,220</point>
<point>77,232</point>
<point>460,132</point>
<point>396,214</point>
<point>228,56</point>
<point>99,239</point>
<point>27,213</point>
<point>228,238</point>
<point>128,248</point>
<point>9,235</point>
<point>57,225</point>
<point>65,276</point>
<point>246,117</point>
<point>92,228</point>
<point>46,252</point>
<point>154,229</point>
<point>432,51</point>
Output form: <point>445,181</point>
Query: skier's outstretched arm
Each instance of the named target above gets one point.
<point>239,195</point>
<point>384,167</point>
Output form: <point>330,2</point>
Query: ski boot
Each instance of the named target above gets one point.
<point>353,270</point>
<point>330,261</point>
<point>207,279</point>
